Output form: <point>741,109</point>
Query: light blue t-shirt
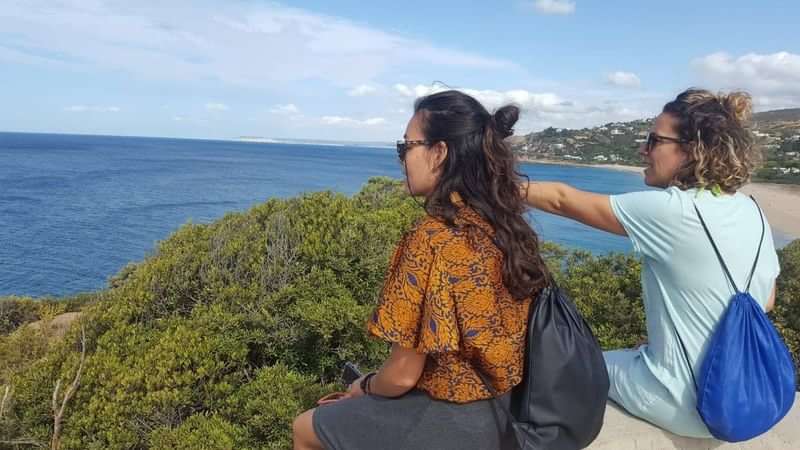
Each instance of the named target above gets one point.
<point>684,284</point>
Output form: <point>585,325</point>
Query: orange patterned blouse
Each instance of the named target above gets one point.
<point>444,296</point>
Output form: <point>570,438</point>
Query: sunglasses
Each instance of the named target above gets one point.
<point>404,145</point>
<point>654,139</point>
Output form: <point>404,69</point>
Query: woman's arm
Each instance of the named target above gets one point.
<point>771,301</point>
<point>398,374</point>
<point>564,200</point>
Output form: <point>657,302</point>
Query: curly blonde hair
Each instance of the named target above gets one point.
<point>721,148</point>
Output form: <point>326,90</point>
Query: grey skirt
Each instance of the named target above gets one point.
<point>414,421</point>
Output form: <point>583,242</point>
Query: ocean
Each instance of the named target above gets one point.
<point>75,209</point>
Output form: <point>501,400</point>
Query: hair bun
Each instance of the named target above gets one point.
<point>505,118</point>
<point>738,104</point>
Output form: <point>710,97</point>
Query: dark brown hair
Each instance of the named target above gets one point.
<point>481,168</point>
<point>720,144</point>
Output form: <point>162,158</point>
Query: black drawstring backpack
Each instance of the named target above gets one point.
<point>560,403</point>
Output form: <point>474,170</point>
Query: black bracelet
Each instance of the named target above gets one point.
<point>365,382</point>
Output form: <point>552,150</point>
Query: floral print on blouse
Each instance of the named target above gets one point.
<point>444,296</point>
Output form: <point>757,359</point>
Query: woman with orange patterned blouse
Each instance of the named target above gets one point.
<point>456,297</point>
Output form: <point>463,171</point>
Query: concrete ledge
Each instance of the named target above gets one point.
<point>625,432</point>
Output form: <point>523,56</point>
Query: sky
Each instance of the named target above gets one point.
<point>350,70</point>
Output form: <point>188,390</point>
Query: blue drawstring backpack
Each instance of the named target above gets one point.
<point>747,379</point>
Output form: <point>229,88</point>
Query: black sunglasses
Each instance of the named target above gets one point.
<point>404,145</point>
<point>654,139</point>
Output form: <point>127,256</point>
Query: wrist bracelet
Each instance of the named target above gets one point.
<point>365,382</point>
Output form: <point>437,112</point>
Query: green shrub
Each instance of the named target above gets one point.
<point>200,431</point>
<point>786,314</point>
<point>16,311</point>
<point>269,402</point>
<point>607,291</point>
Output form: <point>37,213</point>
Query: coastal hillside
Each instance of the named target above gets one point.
<point>790,115</point>
<point>777,132</point>
<point>229,329</point>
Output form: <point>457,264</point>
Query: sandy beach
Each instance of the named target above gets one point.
<point>781,202</point>
<point>635,169</point>
<point>577,164</point>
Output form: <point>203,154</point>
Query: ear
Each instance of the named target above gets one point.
<point>438,153</point>
<point>686,155</point>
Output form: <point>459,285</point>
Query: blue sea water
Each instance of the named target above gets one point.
<point>75,209</point>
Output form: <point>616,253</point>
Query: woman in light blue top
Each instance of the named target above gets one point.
<point>700,152</point>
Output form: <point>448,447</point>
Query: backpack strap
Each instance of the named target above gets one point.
<point>683,350</point>
<point>719,255</point>
<point>760,243</point>
<point>716,250</point>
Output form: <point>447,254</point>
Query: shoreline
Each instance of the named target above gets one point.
<point>780,202</point>
<point>554,162</point>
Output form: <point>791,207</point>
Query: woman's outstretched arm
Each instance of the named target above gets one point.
<point>564,200</point>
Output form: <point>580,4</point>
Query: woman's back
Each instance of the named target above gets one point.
<point>444,296</point>
<point>684,285</point>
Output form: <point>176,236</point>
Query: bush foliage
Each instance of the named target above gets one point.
<point>231,329</point>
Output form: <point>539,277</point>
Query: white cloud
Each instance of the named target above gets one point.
<point>96,109</point>
<point>335,120</point>
<point>624,79</point>
<point>218,107</point>
<point>419,90</point>
<point>546,101</point>
<point>287,109</point>
<point>773,79</point>
<point>351,122</point>
<point>362,90</point>
<point>236,42</point>
<point>577,108</point>
<point>560,7</point>
<point>407,91</point>
<point>492,99</point>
